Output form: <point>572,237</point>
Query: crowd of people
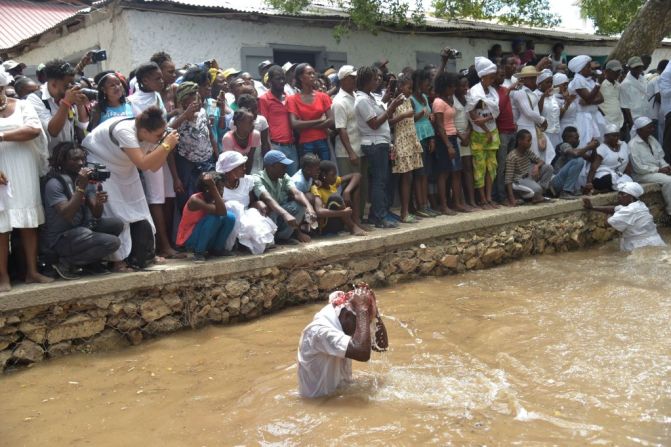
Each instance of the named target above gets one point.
<point>121,171</point>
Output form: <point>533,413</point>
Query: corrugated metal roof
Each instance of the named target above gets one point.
<point>21,19</point>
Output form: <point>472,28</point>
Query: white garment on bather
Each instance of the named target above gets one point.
<point>635,223</point>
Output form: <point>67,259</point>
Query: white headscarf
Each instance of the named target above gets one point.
<point>545,74</point>
<point>641,122</point>
<point>578,63</point>
<point>631,188</point>
<point>559,79</point>
<point>484,66</point>
<point>611,128</point>
<point>5,78</point>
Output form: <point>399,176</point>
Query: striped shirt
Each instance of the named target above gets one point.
<point>518,165</point>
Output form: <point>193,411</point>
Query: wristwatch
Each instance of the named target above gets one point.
<point>166,146</point>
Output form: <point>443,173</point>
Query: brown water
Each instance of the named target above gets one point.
<point>572,349</point>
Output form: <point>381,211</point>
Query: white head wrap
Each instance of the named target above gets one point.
<point>641,122</point>
<point>578,63</point>
<point>230,160</point>
<point>631,188</point>
<point>484,66</point>
<point>611,128</point>
<point>559,79</point>
<point>5,78</point>
<point>545,74</point>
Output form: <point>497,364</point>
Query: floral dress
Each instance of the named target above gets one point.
<point>406,145</point>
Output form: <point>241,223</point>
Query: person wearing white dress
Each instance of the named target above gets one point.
<point>125,145</point>
<point>528,116</point>
<point>252,228</point>
<point>549,106</point>
<point>610,166</point>
<point>631,217</point>
<point>568,105</point>
<point>590,122</point>
<point>23,158</point>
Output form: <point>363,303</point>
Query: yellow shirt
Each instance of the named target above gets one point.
<point>325,191</point>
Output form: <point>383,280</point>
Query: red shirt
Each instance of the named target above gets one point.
<point>277,115</point>
<point>505,121</point>
<point>189,221</point>
<point>321,103</point>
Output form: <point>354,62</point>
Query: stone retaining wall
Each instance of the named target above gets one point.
<point>127,316</point>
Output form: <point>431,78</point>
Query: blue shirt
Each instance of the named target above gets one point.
<point>124,110</point>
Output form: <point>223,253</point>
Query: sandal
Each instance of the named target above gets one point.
<point>409,219</point>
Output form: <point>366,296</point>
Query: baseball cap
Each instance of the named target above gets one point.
<point>265,64</point>
<point>634,62</point>
<point>11,64</point>
<point>614,65</point>
<point>346,70</point>
<point>275,156</point>
<point>231,72</point>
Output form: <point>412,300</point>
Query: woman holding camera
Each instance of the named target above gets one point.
<point>23,154</point>
<point>125,145</point>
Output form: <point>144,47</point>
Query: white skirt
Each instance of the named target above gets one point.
<point>21,164</point>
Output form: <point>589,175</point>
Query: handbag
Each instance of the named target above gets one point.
<point>540,135</point>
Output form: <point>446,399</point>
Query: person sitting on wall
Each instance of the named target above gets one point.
<point>631,217</point>
<point>287,204</point>
<point>346,329</point>
<point>74,230</point>
<point>527,176</point>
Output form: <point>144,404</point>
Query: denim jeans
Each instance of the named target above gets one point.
<point>284,231</point>
<point>211,233</point>
<point>567,177</point>
<point>499,188</point>
<point>378,165</point>
<point>292,154</point>
<point>320,148</point>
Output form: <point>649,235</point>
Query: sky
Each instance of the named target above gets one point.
<point>569,13</point>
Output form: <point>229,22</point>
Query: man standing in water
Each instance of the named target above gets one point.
<point>340,332</point>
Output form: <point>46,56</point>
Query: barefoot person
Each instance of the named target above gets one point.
<point>340,332</point>
<point>631,217</point>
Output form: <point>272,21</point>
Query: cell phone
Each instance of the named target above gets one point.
<point>393,85</point>
<point>98,56</point>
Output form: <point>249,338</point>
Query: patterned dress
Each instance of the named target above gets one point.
<point>406,145</point>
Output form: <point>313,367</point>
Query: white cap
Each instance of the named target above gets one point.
<point>230,160</point>
<point>346,70</point>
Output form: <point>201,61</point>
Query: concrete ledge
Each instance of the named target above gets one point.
<point>318,252</point>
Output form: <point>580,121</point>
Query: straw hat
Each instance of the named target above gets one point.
<point>527,72</point>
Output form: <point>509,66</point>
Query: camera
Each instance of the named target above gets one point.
<point>451,53</point>
<point>98,56</point>
<point>91,94</point>
<point>100,172</point>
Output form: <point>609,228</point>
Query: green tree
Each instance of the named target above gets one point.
<point>509,12</point>
<point>610,16</point>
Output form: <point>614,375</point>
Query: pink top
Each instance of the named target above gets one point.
<point>229,142</point>
<point>440,106</point>
<point>189,221</point>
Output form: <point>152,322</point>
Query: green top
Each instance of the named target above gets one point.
<point>279,190</point>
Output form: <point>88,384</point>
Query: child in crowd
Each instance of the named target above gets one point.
<point>631,218</point>
<point>447,156</point>
<point>250,103</point>
<point>206,223</point>
<point>242,137</point>
<point>527,176</point>
<point>309,172</point>
<point>407,156</point>
<point>334,210</point>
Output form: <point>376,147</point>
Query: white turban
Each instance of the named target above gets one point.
<point>559,79</point>
<point>543,75</point>
<point>230,160</point>
<point>5,78</point>
<point>611,128</point>
<point>631,188</point>
<point>484,66</point>
<point>578,63</point>
<point>641,122</point>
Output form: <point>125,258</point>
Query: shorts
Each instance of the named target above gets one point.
<point>158,185</point>
<point>443,162</point>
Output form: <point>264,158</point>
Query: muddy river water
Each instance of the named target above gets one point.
<point>570,349</point>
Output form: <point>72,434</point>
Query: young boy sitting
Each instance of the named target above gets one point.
<point>309,172</point>
<point>527,176</point>
<point>334,210</point>
<point>569,163</point>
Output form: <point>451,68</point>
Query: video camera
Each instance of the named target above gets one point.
<point>100,172</point>
<point>451,53</point>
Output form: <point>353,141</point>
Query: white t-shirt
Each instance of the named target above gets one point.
<point>345,118</point>
<point>633,96</point>
<point>322,365</point>
<point>635,223</point>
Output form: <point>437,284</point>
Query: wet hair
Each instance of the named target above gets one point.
<point>197,75</point>
<point>58,69</point>
<point>101,79</point>
<point>419,77</point>
<point>247,101</point>
<point>326,166</point>
<point>201,186</point>
<point>240,114</point>
<point>310,159</point>
<point>444,80</point>
<point>60,154</point>
<point>568,130</point>
<point>160,58</point>
<point>521,134</point>
<point>150,119</point>
<point>298,72</point>
<point>143,71</point>
<point>364,75</point>
<point>274,70</point>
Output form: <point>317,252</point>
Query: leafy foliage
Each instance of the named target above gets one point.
<point>610,16</point>
<point>510,12</point>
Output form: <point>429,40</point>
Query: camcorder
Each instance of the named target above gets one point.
<point>451,53</point>
<point>100,172</point>
<point>98,56</point>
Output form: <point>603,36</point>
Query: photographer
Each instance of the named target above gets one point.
<point>74,229</point>
<point>59,104</point>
